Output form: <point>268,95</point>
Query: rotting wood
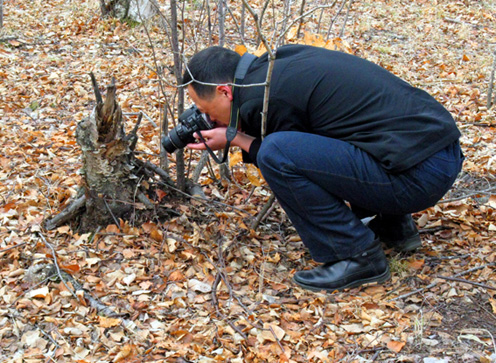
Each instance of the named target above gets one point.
<point>112,187</point>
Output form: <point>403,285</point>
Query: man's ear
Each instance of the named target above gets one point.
<point>225,90</point>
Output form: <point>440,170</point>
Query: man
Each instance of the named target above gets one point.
<point>339,129</point>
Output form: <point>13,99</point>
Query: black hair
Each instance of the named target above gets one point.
<point>211,65</point>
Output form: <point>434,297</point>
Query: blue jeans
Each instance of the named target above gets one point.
<point>312,176</point>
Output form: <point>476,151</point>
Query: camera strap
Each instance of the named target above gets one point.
<point>241,70</point>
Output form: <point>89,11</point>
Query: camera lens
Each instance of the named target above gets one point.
<point>172,142</point>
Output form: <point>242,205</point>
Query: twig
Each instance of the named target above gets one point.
<point>448,257</point>
<point>12,247</point>
<point>345,19</point>
<point>485,191</point>
<point>302,7</point>
<point>143,114</point>
<point>66,214</point>
<point>467,282</point>
<point>451,20</point>
<point>215,302</point>
<point>263,212</point>
<point>55,262</point>
<point>437,282</point>
<point>96,90</point>
<point>491,82</point>
<point>24,292</point>
<point>112,214</point>
<point>276,338</point>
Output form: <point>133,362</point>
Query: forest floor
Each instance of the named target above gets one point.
<point>204,287</point>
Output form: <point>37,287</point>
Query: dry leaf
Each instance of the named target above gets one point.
<point>157,235</point>
<point>240,49</point>
<point>416,264</point>
<point>493,304</point>
<point>235,159</point>
<point>124,353</point>
<point>254,175</point>
<point>108,322</point>
<point>395,346</point>
<point>197,285</point>
<point>39,293</point>
<point>272,332</point>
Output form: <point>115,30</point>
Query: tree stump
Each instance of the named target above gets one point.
<point>111,173</point>
<point>136,10</point>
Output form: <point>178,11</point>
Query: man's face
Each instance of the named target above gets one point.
<point>218,106</point>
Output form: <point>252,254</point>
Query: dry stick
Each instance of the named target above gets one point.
<point>335,18</point>
<point>485,191</point>
<point>66,214</point>
<point>286,15</point>
<point>112,214</point>
<point>55,262</point>
<point>222,20</point>
<point>301,19</point>
<point>24,292</point>
<point>240,29</point>
<point>467,282</point>
<point>163,125</point>
<point>437,282</point>
<point>345,19</point>
<point>491,82</point>
<point>276,338</point>
<point>263,212</point>
<point>11,248</point>
<point>221,276</point>
<point>288,28</point>
<point>141,113</point>
<point>272,58</point>
<point>242,23</point>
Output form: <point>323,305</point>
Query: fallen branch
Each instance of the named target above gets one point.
<point>12,247</point>
<point>485,191</point>
<point>430,286</point>
<point>467,282</point>
<point>55,262</point>
<point>491,83</point>
<point>67,214</point>
<point>267,208</point>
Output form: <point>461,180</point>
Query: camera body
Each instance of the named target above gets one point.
<point>190,121</point>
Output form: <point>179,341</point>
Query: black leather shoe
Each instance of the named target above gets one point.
<point>397,232</point>
<point>367,267</point>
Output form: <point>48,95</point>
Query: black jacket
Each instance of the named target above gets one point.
<point>342,96</point>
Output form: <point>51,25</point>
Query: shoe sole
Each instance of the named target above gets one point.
<point>386,275</point>
<point>410,244</point>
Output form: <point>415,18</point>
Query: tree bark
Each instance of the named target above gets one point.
<point>137,10</point>
<point>111,174</point>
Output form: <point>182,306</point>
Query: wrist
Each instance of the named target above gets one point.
<point>243,141</point>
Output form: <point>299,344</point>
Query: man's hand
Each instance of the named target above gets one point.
<point>216,140</point>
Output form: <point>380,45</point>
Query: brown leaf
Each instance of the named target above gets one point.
<point>108,322</point>
<point>395,346</point>
<point>70,268</point>
<point>416,264</point>
<point>240,49</point>
<point>124,353</point>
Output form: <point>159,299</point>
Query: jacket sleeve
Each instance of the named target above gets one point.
<point>282,116</point>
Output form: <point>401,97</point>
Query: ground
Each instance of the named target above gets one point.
<point>204,286</point>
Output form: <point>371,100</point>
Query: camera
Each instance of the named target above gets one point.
<point>190,121</point>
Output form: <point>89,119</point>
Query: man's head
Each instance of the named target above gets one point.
<point>212,65</point>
